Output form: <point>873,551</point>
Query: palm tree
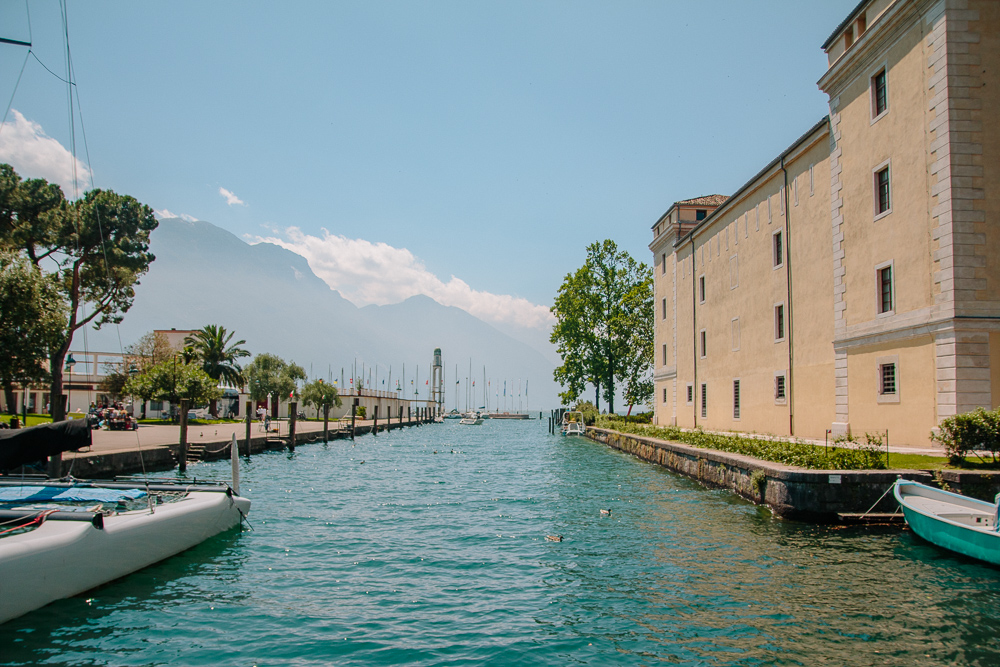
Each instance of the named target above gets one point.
<point>219,358</point>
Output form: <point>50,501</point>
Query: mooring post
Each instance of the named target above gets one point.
<point>326,423</point>
<point>249,424</point>
<point>183,463</point>
<point>354,412</point>
<point>293,413</point>
<point>375,424</point>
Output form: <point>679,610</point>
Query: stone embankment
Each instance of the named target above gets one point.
<point>791,492</point>
<point>102,462</point>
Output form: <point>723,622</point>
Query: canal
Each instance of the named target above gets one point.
<point>427,546</point>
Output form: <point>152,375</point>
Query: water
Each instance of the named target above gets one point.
<point>388,553</point>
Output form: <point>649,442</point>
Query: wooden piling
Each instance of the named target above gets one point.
<point>249,425</point>
<point>293,413</point>
<point>182,464</point>
<point>326,423</point>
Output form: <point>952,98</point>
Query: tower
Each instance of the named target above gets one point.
<point>437,382</point>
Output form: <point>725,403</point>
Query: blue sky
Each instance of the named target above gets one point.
<point>467,150</point>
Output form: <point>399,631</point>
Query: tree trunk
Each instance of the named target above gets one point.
<point>213,408</point>
<point>56,360</point>
<point>8,396</point>
<point>597,396</point>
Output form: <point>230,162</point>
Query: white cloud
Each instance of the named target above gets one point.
<point>365,273</point>
<point>230,197</point>
<point>168,214</point>
<point>33,154</point>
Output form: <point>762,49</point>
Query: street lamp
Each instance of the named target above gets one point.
<point>133,370</point>
<point>70,363</point>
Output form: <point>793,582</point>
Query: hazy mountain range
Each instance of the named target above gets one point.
<point>269,296</point>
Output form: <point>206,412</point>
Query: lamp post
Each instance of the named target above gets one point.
<point>133,370</point>
<point>70,363</point>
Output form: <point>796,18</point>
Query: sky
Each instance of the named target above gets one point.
<point>469,151</point>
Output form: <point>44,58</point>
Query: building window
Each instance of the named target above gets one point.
<point>734,272</point>
<point>885,292</point>
<point>736,399</point>
<point>888,379</point>
<point>795,190</point>
<point>701,289</point>
<point>700,214</point>
<point>704,344</point>
<point>883,197</point>
<point>663,264</point>
<point>690,394</point>
<point>777,254</point>
<point>780,395</point>
<point>664,308</point>
<point>880,96</point>
<point>664,354</point>
<point>779,322</point>
<point>664,395</point>
<point>812,180</point>
<point>736,333</point>
<point>769,210</point>
<point>848,37</point>
<point>704,400</point>
<point>156,405</point>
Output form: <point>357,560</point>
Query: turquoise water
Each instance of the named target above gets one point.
<point>426,546</point>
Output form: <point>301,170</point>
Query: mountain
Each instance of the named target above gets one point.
<point>269,296</point>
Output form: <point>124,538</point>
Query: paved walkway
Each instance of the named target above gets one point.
<point>149,436</point>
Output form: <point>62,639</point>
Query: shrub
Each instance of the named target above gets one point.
<point>361,412</point>
<point>970,432</point>
<point>589,410</point>
<point>801,454</point>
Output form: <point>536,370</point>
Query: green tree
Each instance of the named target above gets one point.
<point>321,395</point>
<point>32,312</point>
<point>151,349</point>
<point>213,348</point>
<point>173,380</point>
<point>270,375</point>
<point>97,247</point>
<point>603,329</point>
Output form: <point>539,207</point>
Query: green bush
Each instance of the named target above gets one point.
<point>801,454</point>
<point>362,411</point>
<point>589,410</point>
<point>970,432</point>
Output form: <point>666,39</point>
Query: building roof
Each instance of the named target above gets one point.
<point>746,186</point>
<point>843,24</point>
<point>707,200</point>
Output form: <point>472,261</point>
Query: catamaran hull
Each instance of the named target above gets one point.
<point>60,559</point>
<point>977,538</point>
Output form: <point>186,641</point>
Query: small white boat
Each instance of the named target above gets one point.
<point>572,424</point>
<point>472,419</point>
<point>59,538</point>
<point>959,523</point>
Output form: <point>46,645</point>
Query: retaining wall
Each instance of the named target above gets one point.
<point>790,492</point>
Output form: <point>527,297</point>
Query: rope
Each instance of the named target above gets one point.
<point>39,520</point>
<point>891,487</point>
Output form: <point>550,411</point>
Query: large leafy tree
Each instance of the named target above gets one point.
<point>603,326</point>
<point>268,375</point>
<point>31,313</point>
<point>219,357</point>
<point>151,349</point>
<point>96,247</point>
<point>321,394</point>
<point>173,380</point>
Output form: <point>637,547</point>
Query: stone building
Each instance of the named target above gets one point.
<point>853,284</point>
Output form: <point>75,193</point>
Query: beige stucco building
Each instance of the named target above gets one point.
<point>853,284</point>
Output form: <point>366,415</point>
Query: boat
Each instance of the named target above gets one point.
<point>454,414</point>
<point>572,424</point>
<point>472,419</point>
<point>60,538</point>
<point>958,523</point>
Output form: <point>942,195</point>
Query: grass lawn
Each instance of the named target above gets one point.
<point>35,420</point>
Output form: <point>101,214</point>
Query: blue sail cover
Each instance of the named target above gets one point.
<point>48,494</point>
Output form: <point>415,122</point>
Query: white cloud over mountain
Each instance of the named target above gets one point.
<point>169,214</point>
<point>377,273</point>
<point>33,154</point>
<point>231,198</point>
